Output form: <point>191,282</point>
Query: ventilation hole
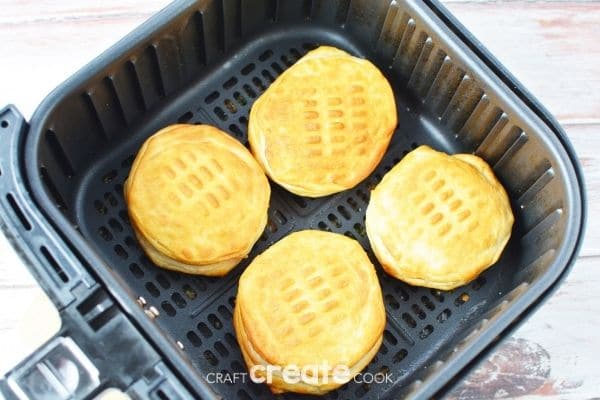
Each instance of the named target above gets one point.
<point>204,330</point>
<point>103,318</point>
<point>427,303</point>
<point>444,315</point>
<point>225,313</point>
<point>243,120</point>
<point>168,308</point>
<point>236,130</point>
<point>4,124</point>
<point>425,332</point>
<point>479,282</point>
<point>146,261</point>
<point>111,199</point>
<point>384,370</point>
<point>120,251</point>
<point>162,395</point>
<point>231,301</point>
<point>231,82</point>
<point>119,189</point>
<point>399,356</point>
<point>267,75</point>
<point>230,106</point>
<point>243,395</point>
<point>124,216</point>
<point>409,320</point>
<point>126,163</point>
<point>295,53</point>
<point>334,220</point>
<point>100,207</point>
<point>437,295</point>
<point>363,196</point>
<point>286,60</point>
<point>279,217</point>
<point>136,270</point>
<point>391,301</point>
<point>240,98</point>
<point>390,338</point>
<point>402,293</point>
<point>350,235</point>
<point>353,204</point>
<point>383,349</point>
<point>105,234</point>
<point>211,97</point>
<point>115,225</point>
<point>220,113</point>
<point>189,292</point>
<point>323,226</point>
<point>418,311</point>
<point>109,177</point>
<point>231,340</point>
<point>360,229</point>
<point>277,68</point>
<point>271,226</point>
<point>18,212</point>
<point>185,117</point>
<point>54,264</point>
<point>258,83</point>
<point>462,299</point>
<point>221,349</point>
<point>265,55</point>
<point>215,321</point>
<point>130,242</point>
<point>247,69</point>
<point>178,300</point>
<point>299,201</point>
<point>163,281</point>
<point>152,289</point>
<point>249,91</point>
<point>194,339</point>
<point>211,358</point>
<point>344,212</point>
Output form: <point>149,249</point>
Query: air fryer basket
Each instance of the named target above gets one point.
<point>206,62</point>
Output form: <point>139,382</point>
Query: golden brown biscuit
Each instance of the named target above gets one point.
<point>279,384</point>
<point>197,199</point>
<point>324,124</point>
<point>437,220</point>
<point>311,298</point>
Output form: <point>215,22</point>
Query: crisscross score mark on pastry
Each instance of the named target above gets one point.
<point>438,220</point>
<point>324,124</point>
<point>197,195</point>
<point>203,182</point>
<point>312,297</point>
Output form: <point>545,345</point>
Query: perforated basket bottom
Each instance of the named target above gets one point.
<point>422,324</point>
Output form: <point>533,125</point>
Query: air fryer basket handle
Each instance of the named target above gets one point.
<point>45,254</point>
<point>79,361</point>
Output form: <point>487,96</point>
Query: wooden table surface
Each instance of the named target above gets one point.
<point>553,47</point>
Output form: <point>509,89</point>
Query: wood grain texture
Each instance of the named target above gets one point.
<point>551,46</point>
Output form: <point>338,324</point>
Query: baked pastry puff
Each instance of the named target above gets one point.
<point>324,124</point>
<point>197,199</point>
<point>310,300</point>
<point>438,220</point>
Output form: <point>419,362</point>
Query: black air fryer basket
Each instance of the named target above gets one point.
<point>158,334</point>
